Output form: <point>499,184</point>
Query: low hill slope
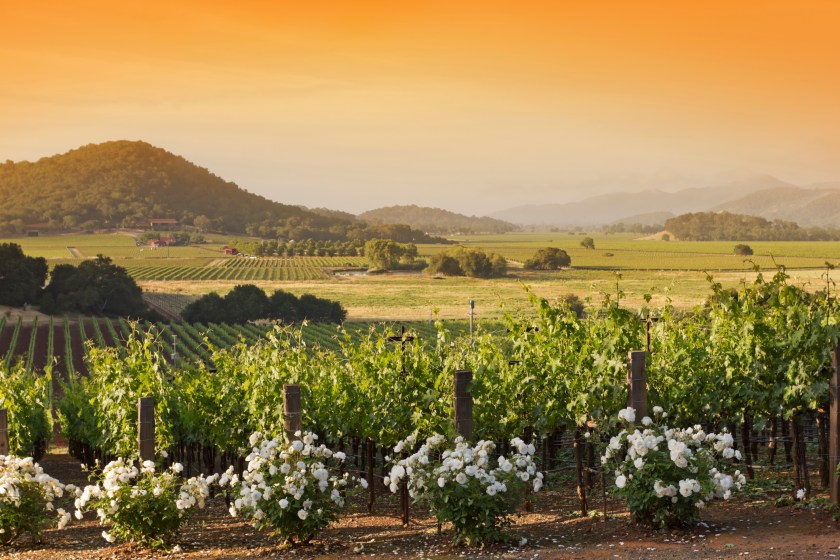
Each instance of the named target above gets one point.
<point>436,220</point>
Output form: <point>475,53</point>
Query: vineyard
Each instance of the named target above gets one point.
<point>755,363</point>
<point>63,341</point>
<point>243,268</point>
<point>756,357</point>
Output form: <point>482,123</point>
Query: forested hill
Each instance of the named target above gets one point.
<point>126,184</point>
<point>724,226</point>
<point>436,220</point>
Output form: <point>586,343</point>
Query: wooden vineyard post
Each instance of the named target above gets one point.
<point>404,497</point>
<point>637,380</point>
<point>292,421</point>
<point>581,487</point>
<point>463,402</point>
<point>146,428</point>
<point>834,426</point>
<point>4,431</point>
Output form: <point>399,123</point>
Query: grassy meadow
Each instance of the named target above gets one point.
<point>674,270</point>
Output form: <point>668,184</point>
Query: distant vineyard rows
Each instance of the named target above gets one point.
<point>244,269</point>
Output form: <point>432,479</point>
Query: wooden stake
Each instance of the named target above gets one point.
<point>4,431</point>
<point>746,426</point>
<point>581,487</point>
<point>834,427</point>
<point>292,421</point>
<point>638,383</point>
<point>463,403</point>
<point>146,428</point>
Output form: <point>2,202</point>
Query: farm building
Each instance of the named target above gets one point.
<point>161,242</point>
<point>163,224</point>
<point>230,251</point>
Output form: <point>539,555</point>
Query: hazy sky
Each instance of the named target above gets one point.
<point>471,105</point>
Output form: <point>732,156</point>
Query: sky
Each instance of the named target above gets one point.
<point>474,106</point>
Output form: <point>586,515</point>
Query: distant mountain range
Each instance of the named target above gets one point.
<point>128,184</point>
<point>435,220</point>
<point>641,207</point>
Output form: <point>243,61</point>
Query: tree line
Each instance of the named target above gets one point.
<point>94,287</point>
<point>247,302</point>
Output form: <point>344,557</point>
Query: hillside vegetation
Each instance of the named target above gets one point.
<point>724,226</point>
<point>436,220</point>
<point>127,184</point>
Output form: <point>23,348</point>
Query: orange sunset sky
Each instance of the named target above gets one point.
<point>471,105</point>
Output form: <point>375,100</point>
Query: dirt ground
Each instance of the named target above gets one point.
<point>747,527</point>
<point>28,315</point>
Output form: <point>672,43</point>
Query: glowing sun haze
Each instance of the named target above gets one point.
<point>471,105</point>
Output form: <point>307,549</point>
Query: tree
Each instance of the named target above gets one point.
<point>445,264</point>
<point>587,243</point>
<point>95,287</point>
<point>386,254</point>
<point>548,258</point>
<point>743,250</point>
<point>284,306</point>
<point>247,302</point>
<point>210,308</point>
<point>468,262</point>
<point>21,277</point>
<point>202,222</point>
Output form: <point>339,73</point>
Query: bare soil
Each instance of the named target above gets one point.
<point>12,314</point>
<point>746,527</point>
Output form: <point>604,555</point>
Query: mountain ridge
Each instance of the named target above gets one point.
<point>125,183</point>
<point>624,207</point>
<point>435,220</point>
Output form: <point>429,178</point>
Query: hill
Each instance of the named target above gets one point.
<point>127,184</point>
<point>436,220</point>
<point>805,206</point>
<point>622,207</point>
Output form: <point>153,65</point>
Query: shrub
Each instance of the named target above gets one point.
<point>548,258</point>
<point>27,497</point>
<point>743,250</point>
<point>291,488</point>
<point>462,486</point>
<point>667,475</point>
<point>144,506</point>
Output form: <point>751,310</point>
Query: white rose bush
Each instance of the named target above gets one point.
<point>28,499</point>
<point>293,489</point>
<point>144,505</point>
<point>667,475</point>
<point>464,485</point>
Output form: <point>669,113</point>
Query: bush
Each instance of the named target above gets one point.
<point>461,486</point>
<point>668,475</point>
<point>142,505</point>
<point>27,497</point>
<point>587,243</point>
<point>548,258</point>
<point>743,250</point>
<point>290,487</point>
<point>468,262</point>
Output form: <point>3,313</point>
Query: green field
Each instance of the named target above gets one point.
<point>630,253</point>
<point>668,270</point>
